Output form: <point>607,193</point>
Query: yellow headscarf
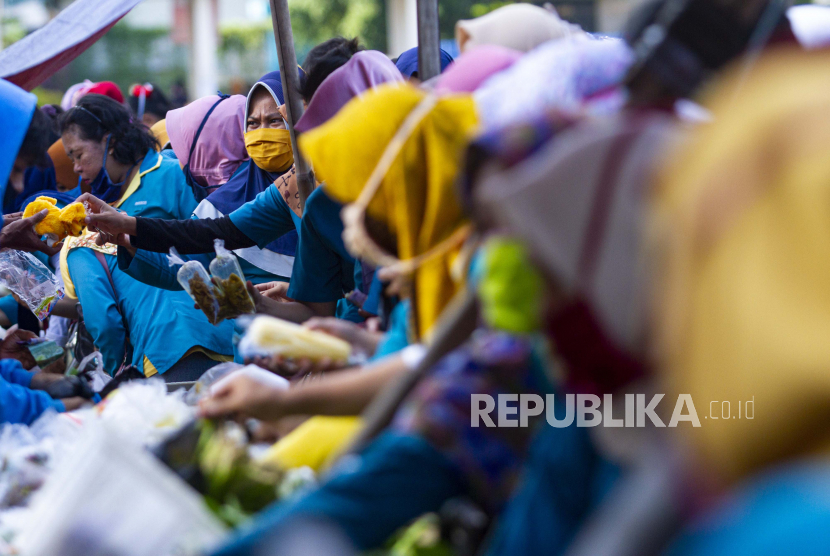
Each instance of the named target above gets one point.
<point>416,200</point>
<point>159,131</point>
<point>745,304</point>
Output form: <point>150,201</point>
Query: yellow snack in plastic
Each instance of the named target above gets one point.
<point>72,217</point>
<point>280,337</point>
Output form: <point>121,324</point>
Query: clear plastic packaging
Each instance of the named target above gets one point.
<point>229,282</point>
<point>197,283</point>
<point>220,295</point>
<point>269,336</point>
<point>31,281</point>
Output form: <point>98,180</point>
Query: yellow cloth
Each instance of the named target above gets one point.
<point>87,238</point>
<point>60,223</point>
<point>744,214</point>
<point>417,199</point>
<point>159,131</point>
<point>315,443</point>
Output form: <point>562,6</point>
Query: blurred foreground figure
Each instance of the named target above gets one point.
<point>745,311</point>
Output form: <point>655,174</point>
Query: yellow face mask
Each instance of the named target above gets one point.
<point>270,148</point>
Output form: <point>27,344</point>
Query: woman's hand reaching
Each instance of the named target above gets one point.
<point>113,226</point>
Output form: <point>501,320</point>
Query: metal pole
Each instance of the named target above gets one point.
<point>290,76</point>
<point>429,43</point>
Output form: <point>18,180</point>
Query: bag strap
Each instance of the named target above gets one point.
<point>128,348</point>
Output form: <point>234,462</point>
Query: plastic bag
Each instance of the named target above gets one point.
<point>202,386</point>
<point>220,295</point>
<point>91,369</point>
<point>234,299</point>
<point>269,336</point>
<point>91,502</point>
<point>31,281</point>
<point>196,282</point>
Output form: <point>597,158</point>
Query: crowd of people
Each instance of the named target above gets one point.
<point>558,212</point>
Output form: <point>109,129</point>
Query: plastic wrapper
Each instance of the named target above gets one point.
<point>270,336</point>
<point>93,503</point>
<point>196,282</point>
<point>201,388</point>
<point>220,295</point>
<point>45,352</point>
<point>234,299</point>
<point>31,281</point>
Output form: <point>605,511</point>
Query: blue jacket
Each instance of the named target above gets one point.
<point>18,403</point>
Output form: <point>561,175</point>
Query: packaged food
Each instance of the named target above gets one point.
<point>30,280</point>
<point>220,295</point>
<point>229,281</point>
<point>45,352</point>
<point>271,336</point>
<point>59,223</point>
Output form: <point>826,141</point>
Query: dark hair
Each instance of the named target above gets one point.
<point>155,103</point>
<point>39,137</point>
<point>96,115</point>
<point>323,59</point>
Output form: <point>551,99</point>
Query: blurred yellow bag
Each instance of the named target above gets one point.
<point>314,443</point>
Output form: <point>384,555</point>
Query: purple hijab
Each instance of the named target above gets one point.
<point>365,70</point>
<point>221,146</point>
<point>473,67</point>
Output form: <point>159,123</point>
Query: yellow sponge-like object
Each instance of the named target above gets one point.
<point>58,223</point>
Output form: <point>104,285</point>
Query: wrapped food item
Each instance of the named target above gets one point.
<point>30,280</point>
<point>229,281</point>
<point>59,223</point>
<point>272,336</point>
<point>196,282</point>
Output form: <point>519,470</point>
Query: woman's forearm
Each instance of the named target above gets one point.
<point>344,392</point>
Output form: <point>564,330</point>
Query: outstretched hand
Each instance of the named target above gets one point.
<point>19,233</point>
<point>112,225</point>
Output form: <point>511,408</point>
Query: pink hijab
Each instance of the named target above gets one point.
<point>365,70</point>
<point>221,146</point>
<point>473,67</point>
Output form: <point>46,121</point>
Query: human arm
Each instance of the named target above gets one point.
<point>153,269</point>
<point>343,393</point>
<point>293,311</point>
<point>159,235</point>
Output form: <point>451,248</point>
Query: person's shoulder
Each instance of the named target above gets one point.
<point>320,199</point>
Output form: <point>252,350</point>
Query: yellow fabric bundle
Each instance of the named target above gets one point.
<point>744,217</point>
<point>313,444</point>
<point>59,223</point>
<point>417,200</point>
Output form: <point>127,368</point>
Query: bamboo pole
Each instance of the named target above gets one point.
<point>290,76</point>
<point>429,42</point>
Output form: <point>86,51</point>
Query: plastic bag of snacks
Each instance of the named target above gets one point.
<point>196,282</point>
<point>220,295</point>
<point>30,280</point>
<point>229,281</point>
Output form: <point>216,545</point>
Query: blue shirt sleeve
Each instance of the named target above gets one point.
<point>94,290</point>
<point>19,404</point>
<point>323,269</point>
<point>397,336</point>
<point>266,218</point>
<point>152,268</point>
<point>12,371</point>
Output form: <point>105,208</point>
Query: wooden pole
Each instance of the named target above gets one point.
<point>456,325</point>
<point>290,76</point>
<point>429,42</point>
